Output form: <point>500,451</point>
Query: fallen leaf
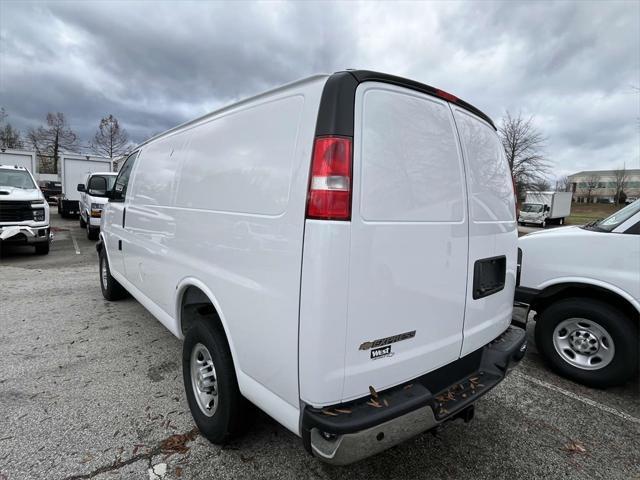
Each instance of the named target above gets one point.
<point>178,471</point>
<point>374,403</point>
<point>329,413</point>
<point>373,392</point>
<point>343,410</point>
<point>575,447</point>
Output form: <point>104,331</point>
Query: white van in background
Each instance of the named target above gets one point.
<point>93,195</point>
<point>584,284</point>
<point>340,251</point>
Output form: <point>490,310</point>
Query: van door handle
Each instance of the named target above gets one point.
<point>124,216</point>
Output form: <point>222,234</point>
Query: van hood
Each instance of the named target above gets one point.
<point>13,194</point>
<point>571,229</point>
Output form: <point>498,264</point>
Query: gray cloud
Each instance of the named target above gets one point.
<point>157,64</point>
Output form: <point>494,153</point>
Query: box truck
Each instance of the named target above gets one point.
<point>542,208</point>
<point>19,158</point>
<point>74,170</point>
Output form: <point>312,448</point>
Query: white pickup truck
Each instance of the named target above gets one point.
<point>584,284</point>
<point>24,213</point>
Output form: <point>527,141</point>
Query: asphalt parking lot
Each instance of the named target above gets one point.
<point>92,389</point>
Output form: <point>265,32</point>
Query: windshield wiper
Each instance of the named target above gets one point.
<point>594,224</point>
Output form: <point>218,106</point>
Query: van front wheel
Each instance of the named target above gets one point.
<point>111,289</point>
<point>210,382</point>
<point>588,341</point>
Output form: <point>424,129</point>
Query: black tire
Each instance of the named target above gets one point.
<point>42,248</point>
<point>622,330</point>
<point>83,224</point>
<point>92,233</point>
<point>228,419</point>
<point>111,289</point>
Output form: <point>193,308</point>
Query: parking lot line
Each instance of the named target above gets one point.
<point>580,398</point>
<point>75,245</point>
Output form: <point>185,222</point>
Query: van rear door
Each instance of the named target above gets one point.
<point>493,232</point>
<point>409,239</point>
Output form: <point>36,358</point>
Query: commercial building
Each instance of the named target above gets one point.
<point>599,186</point>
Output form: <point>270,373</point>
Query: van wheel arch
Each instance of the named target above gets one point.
<point>195,304</point>
<point>555,293</point>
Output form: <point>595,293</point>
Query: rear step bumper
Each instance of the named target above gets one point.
<point>345,433</point>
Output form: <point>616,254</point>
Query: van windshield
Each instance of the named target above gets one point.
<point>612,221</point>
<point>532,207</point>
<point>100,184</point>
<point>17,179</point>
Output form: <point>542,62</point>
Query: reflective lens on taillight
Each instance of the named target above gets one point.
<point>330,186</point>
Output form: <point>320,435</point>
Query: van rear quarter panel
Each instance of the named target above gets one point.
<point>234,221</point>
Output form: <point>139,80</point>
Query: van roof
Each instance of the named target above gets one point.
<point>337,97</point>
<point>189,123</point>
<point>368,75</point>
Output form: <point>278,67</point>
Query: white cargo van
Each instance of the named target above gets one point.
<point>340,251</point>
<point>584,285</point>
<point>542,208</point>
<point>93,196</point>
<point>74,168</point>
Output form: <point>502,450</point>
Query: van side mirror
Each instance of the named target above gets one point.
<point>81,187</point>
<point>547,208</point>
<point>114,195</point>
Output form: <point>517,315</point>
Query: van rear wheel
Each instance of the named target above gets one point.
<point>210,382</point>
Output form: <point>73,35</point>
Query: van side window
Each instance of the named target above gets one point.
<point>122,179</point>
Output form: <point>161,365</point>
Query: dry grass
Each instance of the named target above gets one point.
<point>582,213</point>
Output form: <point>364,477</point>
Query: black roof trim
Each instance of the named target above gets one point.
<point>338,98</point>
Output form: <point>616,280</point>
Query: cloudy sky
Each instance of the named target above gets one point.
<point>575,67</point>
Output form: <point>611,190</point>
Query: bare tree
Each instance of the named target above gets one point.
<point>620,179</point>
<point>563,184</point>
<point>55,138</point>
<point>9,136</point>
<point>591,183</point>
<point>540,185</point>
<point>524,147</point>
<point>110,140</point>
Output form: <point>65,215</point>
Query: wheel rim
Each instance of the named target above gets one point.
<point>204,380</point>
<point>103,273</point>
<point>583,343</point>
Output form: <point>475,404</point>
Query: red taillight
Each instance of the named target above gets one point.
<point>330,185</point>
